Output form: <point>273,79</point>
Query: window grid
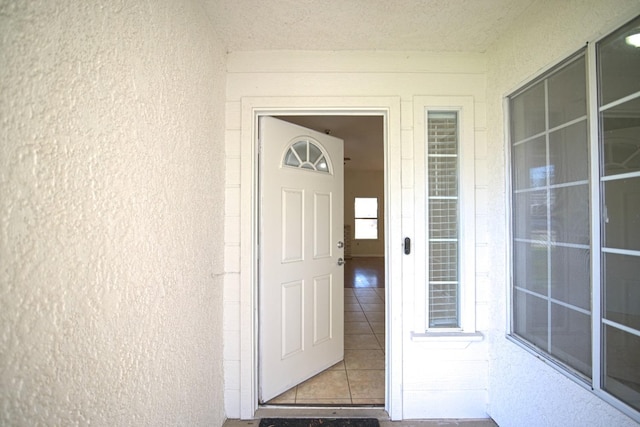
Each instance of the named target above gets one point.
<point>306,155</point>
<point>611,253</point>
<point>618,109</point>
<point>540,195</point>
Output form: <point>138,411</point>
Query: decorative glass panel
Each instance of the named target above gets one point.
<point>308,155</point>
<point>443,205</point>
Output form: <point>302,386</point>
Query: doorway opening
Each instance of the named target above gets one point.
<point>358,379</point>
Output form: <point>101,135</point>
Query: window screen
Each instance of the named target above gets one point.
<point>550,207</point>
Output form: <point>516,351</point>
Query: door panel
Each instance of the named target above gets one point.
<point>322,225</point>
<point>322,303</point>
<point>292,318</point>
<point>301,282</point>
<point>292,225</point>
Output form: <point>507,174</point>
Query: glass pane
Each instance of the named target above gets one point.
<point>571,338</point>
<point>366,228</point>
<point>568,93</point>
<point>528,113</point>
<point>570,214</point>
<point>530,262</point>
<point>622,221</point>
<point>443,176</point>
<point>622,289</point>
<point>569,154</point>
<point>570,276</point>
<point>443,133</point>
<point>366,207</point>
<point>621,136</point>
<point>530,159</point>
<point>530,216</point>
<point>443,219</point>
<point>622,365</point>
<point>443,305</point>
<point>291,159</point>
<point>301,148</point>
<point>314,153</point>
<point>531,318</point>
<point>443,261</point>
<point>322,164</point>
<point>619,63</point>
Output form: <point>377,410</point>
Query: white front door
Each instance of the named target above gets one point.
<point>301,277</point>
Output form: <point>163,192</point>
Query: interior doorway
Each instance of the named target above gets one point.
<point>359,379</point>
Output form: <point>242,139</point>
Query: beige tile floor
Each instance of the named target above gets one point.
<point>359,378</point>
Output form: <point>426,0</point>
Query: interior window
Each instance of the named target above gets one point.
<point>366,217</point>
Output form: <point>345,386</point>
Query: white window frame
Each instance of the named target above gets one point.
<point>466,332</point>
<point>376,218</point>
<point>595,385</point>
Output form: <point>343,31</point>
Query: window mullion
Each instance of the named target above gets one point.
<point>548,190</point>
<point>595,206</point>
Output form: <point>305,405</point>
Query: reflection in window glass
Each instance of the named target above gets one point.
<point>550,206</point>
<point>619,107</point>
<point>553,255</point>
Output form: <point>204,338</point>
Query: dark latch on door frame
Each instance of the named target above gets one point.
<point>407,246</point>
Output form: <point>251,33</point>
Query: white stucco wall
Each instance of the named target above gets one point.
<point>523,390</point>
<point>429,379</point>
<point>111,206</point>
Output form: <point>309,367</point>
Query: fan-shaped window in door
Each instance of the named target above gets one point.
<point>307,154</point>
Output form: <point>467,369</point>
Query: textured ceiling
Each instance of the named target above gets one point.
<point>423,25</point>
<point>401,25</point>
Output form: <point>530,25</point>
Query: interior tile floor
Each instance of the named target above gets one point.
<point>359,378</point>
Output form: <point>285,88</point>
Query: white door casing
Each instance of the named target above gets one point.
<point>301,284</point>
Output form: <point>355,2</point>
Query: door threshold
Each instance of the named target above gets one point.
<point>321,412</point>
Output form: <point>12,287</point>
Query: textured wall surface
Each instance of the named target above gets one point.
<point>111,214</point>
<point>523,390</point>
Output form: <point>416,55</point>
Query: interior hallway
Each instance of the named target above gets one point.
<point>359,378</point>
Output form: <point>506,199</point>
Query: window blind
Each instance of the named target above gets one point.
<point>442,165</point>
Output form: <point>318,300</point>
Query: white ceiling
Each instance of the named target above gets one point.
<point>424,25</point>
<point>400,25</point>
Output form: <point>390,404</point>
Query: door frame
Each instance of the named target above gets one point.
<point>251,110</point>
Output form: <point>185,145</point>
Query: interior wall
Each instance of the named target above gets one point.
<point>437,379</point>
<point>523,389</point>
<point>364,184</point>
<point>111,207</point>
